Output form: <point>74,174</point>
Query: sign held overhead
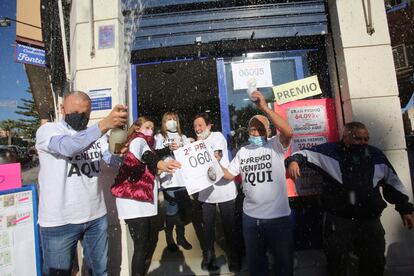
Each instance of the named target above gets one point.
<point>297,90</point>
<point>244,71</point>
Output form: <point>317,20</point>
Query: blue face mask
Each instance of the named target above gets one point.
<point>257,140</point>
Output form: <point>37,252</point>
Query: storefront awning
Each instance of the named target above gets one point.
<point>187,27</point>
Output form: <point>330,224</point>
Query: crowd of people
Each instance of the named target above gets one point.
<point>72,206</point>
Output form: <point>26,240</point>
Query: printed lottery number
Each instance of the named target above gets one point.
<point>201,159</point>
<point>306,116</point>
<point>306,145</point>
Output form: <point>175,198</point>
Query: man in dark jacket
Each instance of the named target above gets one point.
<point>353,173</point>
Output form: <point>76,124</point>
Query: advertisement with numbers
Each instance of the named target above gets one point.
<point>307,119</point>
<point>313,123</point>
<point>19,247</point>
<point>199,168</point>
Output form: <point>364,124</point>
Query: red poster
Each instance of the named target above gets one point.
<point>314,123</point>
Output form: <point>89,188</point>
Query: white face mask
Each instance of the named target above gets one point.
<point>203,135</point>
<point>171,125</point>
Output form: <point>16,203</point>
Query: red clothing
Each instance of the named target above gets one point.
<point>135,180</point>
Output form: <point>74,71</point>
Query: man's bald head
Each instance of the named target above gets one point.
<point>76,102</point>
<point>77,94</point>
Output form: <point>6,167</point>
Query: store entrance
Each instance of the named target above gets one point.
<point>187,87</point>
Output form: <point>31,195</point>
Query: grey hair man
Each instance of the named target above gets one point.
<point>353,174</point>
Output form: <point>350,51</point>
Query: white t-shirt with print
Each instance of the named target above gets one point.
<point>264,182</point>
<point>169,180</point>
<point>130,208</point>
<point>68,187</point>
<point>223,190</point>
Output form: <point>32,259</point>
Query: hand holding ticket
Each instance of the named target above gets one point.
<point>199,168</point>
<point>251,87</point>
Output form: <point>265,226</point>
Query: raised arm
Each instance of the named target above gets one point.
<point>286,131</point>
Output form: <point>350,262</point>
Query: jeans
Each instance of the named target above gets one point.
<point>59,246</point>
<point>144,234</point>
<point>363,237</point>
<point>227,212</point>
<point>274,235</point>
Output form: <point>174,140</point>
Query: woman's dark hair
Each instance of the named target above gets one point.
<point>205,116</point>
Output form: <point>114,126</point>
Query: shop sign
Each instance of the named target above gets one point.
<point>29,55</point>
<point>100,99</point>
<point>199,168</point>
<point>307,119</point>
<point>244,72</point>
<point>302,142</point>
<point>106,37</point>
<point>297,90</point>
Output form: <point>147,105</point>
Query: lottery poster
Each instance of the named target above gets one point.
<point>199,168</point>
<point>19,247</point>
<point>313,123</point>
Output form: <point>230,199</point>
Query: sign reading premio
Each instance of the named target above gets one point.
<point>297,90</point>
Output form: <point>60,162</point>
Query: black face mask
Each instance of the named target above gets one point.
<point>358,150</point>
<point>78,121</point>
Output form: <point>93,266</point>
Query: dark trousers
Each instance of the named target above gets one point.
<point>144,234</point>
<point>363,237</point>
<point>227,212</point>
<point>273,235</point>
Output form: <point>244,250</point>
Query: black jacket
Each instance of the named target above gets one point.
<point>361,175</point>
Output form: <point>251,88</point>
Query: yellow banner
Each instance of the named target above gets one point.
<point>297,90</point>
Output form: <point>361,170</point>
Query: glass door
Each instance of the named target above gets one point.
<point>236,107</point>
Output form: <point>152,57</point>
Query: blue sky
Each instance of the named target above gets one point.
<point>13,79</point>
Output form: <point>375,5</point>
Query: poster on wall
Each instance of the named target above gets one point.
<point>19,244</point>
<point>244,72</point>
<point>307,119</point>
<point>313,123</point>
<point>301,142</point>
<point>106,39</point>
<point>100,99</point>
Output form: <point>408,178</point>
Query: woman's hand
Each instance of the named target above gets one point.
<point>168,166</point>
<point>173,146</point>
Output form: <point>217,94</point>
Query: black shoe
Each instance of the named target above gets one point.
<point>234,266</point>
<point>184,243</point>
<point>208,262</point>
<point>172,247</point>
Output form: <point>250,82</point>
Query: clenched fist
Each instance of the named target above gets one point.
<point>118,117</point>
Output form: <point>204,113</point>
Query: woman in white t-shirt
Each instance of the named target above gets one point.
<point>221,194</point>
<point>176,199</point>
<point>266,221</point>
<point>135,192</point>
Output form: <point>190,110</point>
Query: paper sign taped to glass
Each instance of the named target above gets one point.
<point>199,168</point>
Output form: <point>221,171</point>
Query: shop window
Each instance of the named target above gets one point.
<point>284,67</point>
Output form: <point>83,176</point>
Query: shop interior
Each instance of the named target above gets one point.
<point>187,87</point>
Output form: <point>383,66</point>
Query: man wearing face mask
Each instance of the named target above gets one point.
<point>71,204</point>
<point>353,174</point>
<point>266,222</point>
